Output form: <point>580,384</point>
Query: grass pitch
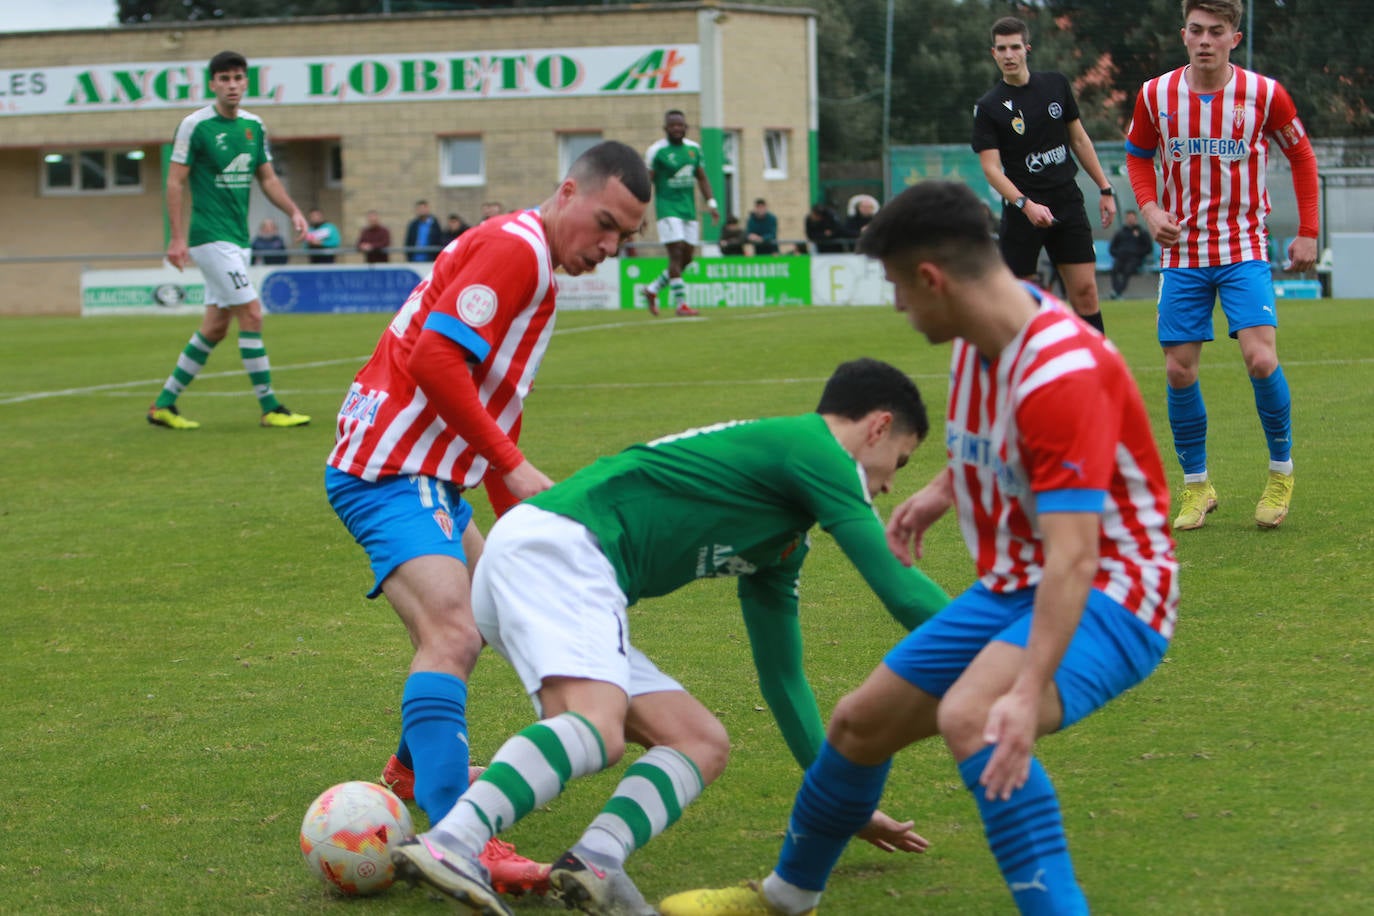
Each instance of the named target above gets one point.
<point>190,659</point>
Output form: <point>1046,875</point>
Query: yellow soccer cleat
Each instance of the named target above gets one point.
<point>170,417</point>
<point>1273,504</point>
<point>283,417</point>
<point>743,900</point>
<point>1198,499</point>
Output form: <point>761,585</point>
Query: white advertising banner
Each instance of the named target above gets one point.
<point>420,77</point>
<point>848,279</point>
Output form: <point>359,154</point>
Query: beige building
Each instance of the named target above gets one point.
<point>378,112</point>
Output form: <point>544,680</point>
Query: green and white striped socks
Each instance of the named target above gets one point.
<point>647,802</point>
<point>189,364</point>
<point>530,770</point>
<point>259,369</point>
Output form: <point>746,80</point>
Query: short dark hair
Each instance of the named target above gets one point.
<point>613,159</point>
<point>1228,10</point>
<point>674,111</point>
<point>760,200</point>
<point>1010,25</point>
<point>861,386</point>
<point>942,221</point>
<point>227,60</point>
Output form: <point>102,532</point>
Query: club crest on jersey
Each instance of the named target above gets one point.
<point>445,522</point>
<point>1238,116</point>
<point>477,305</point>
<point>1018,124</point>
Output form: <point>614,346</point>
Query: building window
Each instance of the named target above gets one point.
<point>333,165</point>
<point>574,144</point>
<point>93,171</point>
<point>461,162</point>
<point>774,154</point>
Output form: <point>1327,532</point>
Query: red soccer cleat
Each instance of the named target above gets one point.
<point>512,873</point>
<point>399,778</point>
<point>686,311</point>
<point>651,303</point>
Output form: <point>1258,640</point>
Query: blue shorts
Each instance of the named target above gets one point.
<point>399,518</point>
<point>1111,652</point>
<point>1187,296</point>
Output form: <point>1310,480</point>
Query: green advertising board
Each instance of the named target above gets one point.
<point>721,282</point>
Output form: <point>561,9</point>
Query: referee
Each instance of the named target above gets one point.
<point>1023,132</point>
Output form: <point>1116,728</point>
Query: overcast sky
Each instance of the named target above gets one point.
<point>31,15</point>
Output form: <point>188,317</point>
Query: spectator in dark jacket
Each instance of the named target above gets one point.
<point>423,233</point>
<point>823,229</point>
<point>1130,247</point>
<point>761,229</point>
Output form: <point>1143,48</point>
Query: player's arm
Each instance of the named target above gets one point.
<point>448,347</point>
<point>704,184</point>
<point>276,192</point>
<point>909,595</point>
<point>1086,154</point>
<point>909,521</point>
<point>178,255</point>
<point>768,601</point>
<point>1142,143</point>
<point>1069,431</point>
<point>1291,137</point>
<point>1070,540</point>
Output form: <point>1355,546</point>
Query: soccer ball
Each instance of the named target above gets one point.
<point>348,834</point>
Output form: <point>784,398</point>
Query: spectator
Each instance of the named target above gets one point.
<point>762,229</point>
<point>323,235</point>
<point>268,239</point>
<point>454,228</point>
<point>374,240</point>
<point>823,229</point>
<point>1130,247</point>
<point>732,237</point>
<point>423,234</point>
<point>862,208</point>
<point>491,208</point>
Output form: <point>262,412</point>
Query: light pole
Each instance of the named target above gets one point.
<point>887,105</point>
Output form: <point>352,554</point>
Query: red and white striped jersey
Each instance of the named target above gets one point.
<point>1215,150</point>
<point>492,291</point>
<point>1058,412</point>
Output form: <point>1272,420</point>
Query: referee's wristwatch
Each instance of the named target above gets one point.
<point>1020,202</point>
<point>1107,191</point>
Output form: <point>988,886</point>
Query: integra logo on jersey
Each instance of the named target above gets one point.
<point>1038,162</point>
<point>1224,148</point>
<point>972,449</point>
<point>362,406</point>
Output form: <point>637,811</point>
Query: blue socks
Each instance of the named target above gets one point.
<point>434,729</point>
<point>1275,407</point>
<point>1188,420</point>
<point>1026,835</point>
<point>835,801</point>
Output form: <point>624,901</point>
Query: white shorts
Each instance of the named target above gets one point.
<point>546,599</point>
<point>225,268</point>
<point>674,229</point>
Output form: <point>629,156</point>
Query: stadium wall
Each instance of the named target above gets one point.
<point>751,66</point>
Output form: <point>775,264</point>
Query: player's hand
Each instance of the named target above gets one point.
<point>907,526</point>
<point>1302,254</point>
<point>526,480</point>
<point>178,255</point>
<point>1106,206</point>
<point>1164,229</point>
<point>715,216</point>
<point>1040,215</point>
<point>299,224</point>
<point>1010,728</point>
<point>891,836</point>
